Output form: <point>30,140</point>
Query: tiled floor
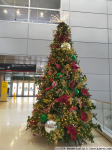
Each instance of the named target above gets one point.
<point>13,136</point>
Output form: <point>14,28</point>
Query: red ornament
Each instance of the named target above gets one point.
<point>54,84</point>
<point>72,131</point>
<point>83,116</point>
<point>63,99</point>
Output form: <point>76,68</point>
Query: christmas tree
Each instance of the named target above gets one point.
<point>64,109</point>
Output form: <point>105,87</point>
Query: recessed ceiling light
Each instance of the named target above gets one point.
<point>41,66</point>
<point>5,11</point>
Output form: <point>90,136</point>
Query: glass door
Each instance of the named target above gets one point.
<point>26,86</point>
<point>20,87</point>
<point>36,89</point>
<point>14,88</point>
<point>31,88</point>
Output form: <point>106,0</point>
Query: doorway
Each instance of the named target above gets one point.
<point>24,88</point>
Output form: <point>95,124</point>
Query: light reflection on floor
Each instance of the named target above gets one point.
<point>13,134</point>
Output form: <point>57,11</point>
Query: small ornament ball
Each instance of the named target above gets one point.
<point>59,75</point>
<point>73,57</point>
<point>43,118</point>
<point>76,92</point>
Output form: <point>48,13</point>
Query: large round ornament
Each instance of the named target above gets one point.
<point>73,57</point>
<point>54,84</point>
<point>50,126</point>
<point>59,75</point>
<point>43,118</point>
<point>76,92</point>
<point>65,46</point>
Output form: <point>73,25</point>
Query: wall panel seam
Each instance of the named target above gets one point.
<point>90,27</point>
<point>90,12</point>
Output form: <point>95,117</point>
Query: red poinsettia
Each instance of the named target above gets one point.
<point>85,92</point>
<point>72,131</point>
<point>83,116</point>
<point>63,99</point>
<point>74,66</point>
<point>48,88</point>
<point>58,66</point>
<point>61,39</point>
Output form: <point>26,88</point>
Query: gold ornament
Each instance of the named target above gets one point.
<point>65,46</point>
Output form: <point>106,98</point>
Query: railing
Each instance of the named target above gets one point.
<point>29,10</point>
<point>104,115</point>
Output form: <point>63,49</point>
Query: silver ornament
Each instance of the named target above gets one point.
<point>50,126</point>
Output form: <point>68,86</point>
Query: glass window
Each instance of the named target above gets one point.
<point>42,16</point>
<point>14,14</point>
<point>17,76</point>
<point>15,2</point>
<point>52,4</point>
<point>28,77</point>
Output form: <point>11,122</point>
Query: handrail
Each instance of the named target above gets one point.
<point>102,101</point>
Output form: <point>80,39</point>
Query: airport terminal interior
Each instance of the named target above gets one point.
<point>55,74</point>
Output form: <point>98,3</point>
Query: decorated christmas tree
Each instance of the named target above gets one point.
<point>63,110</point>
